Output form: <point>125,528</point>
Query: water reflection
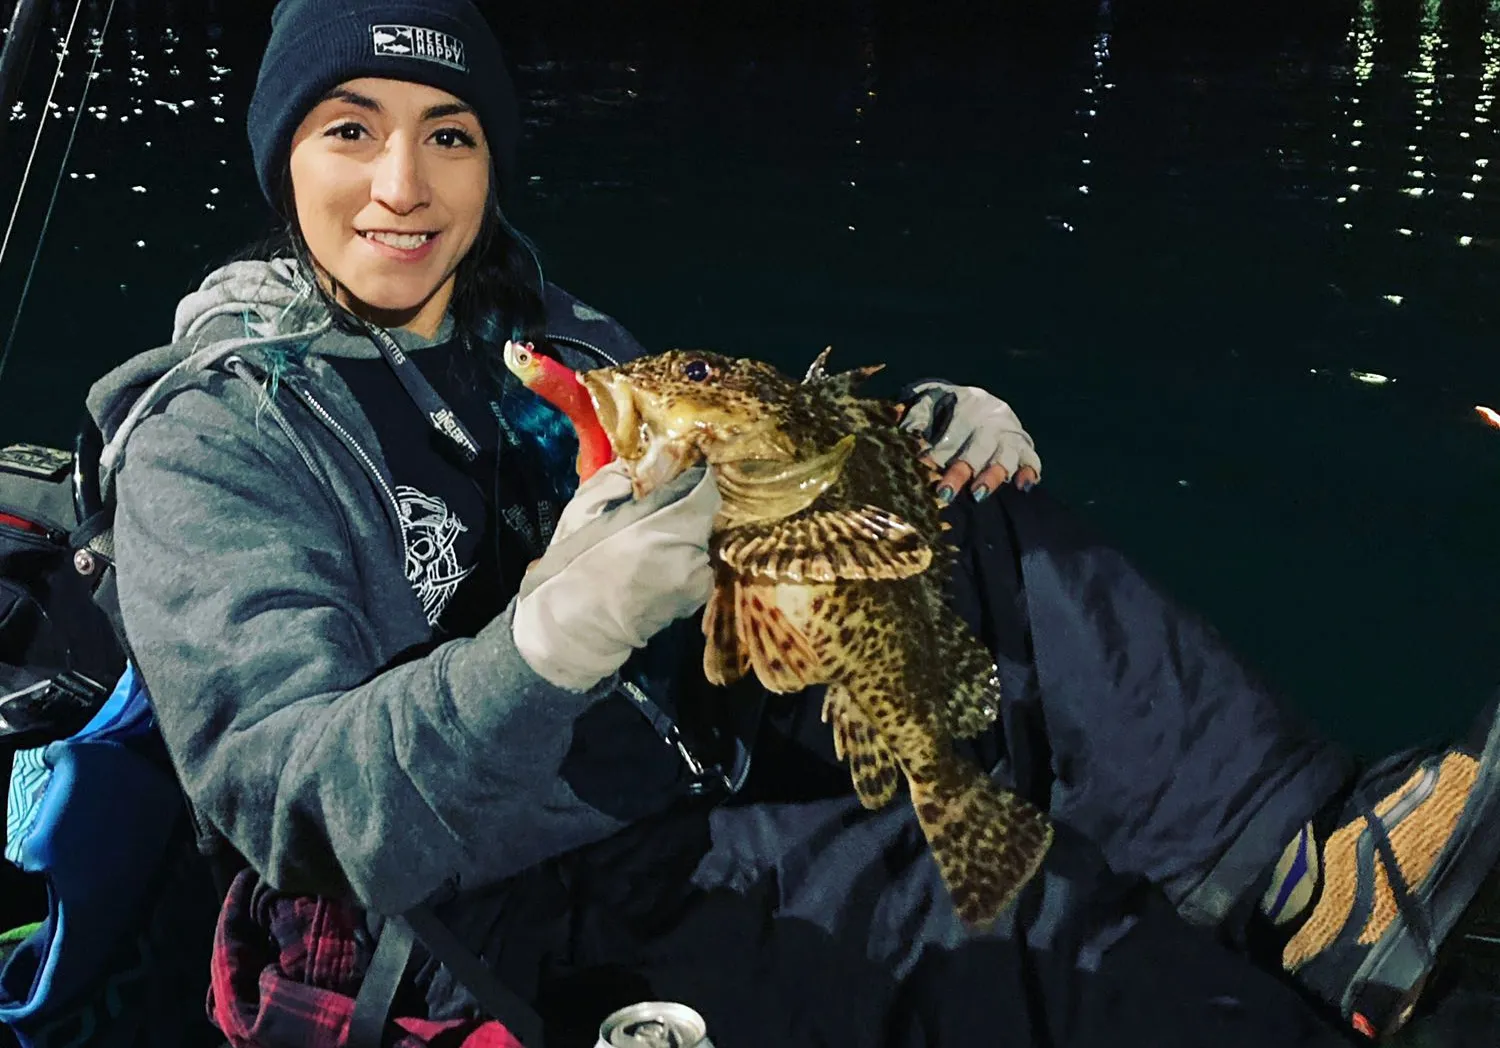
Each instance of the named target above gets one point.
<point>1093,102</point>
<point>863,106</point>
<point>1411,151</point>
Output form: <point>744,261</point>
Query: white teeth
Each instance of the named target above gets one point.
<point>405,241</point>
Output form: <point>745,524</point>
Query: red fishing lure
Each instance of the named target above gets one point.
<point>558,385</point>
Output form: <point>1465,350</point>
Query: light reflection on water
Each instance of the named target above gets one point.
<point>1420,179</point>
<point>1175,249</point>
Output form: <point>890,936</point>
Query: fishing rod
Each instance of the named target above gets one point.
<point>10,87</point>
<point>20,41</point>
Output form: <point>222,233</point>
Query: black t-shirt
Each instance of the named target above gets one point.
<point>462,570</point>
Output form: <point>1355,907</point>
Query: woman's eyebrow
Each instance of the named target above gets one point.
<point>436,112</point>
<point>353,98</point>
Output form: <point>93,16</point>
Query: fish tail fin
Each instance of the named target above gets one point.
<point>988,842</point>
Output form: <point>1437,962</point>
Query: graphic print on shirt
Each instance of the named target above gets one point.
<point>430,532</point>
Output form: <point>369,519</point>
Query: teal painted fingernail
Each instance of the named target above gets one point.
<point>981,493</point>
<point>945,494</point>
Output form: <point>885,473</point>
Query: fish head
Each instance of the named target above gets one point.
<point>668,412</point>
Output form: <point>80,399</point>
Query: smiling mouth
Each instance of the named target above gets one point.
<point>403,241</point>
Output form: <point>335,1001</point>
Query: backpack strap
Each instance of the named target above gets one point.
<point>377,990</point>
<point>397,938</point>
<point>494,996</point>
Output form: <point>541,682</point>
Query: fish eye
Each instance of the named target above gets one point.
<point>697,370</point>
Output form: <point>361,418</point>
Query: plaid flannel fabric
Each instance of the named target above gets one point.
<point>286,969</point>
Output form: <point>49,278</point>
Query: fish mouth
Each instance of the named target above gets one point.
<point>658,440</point>
<point>653,458</point>
<point>614,404</point>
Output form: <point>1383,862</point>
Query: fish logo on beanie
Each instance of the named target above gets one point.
<point>413,41</point>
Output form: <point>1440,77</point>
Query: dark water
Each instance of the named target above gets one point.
<point>1173,239</point>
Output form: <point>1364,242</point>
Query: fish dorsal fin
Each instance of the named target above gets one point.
<point>768,489</point>
<point>817,370</point>
<point>862,542</point>
<point>842,384</point>
<point>846,382</point>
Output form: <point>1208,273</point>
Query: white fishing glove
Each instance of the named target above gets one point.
<point>982,439</point>
<point>616,573</point>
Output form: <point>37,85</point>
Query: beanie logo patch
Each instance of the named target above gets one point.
<point>413,41</point>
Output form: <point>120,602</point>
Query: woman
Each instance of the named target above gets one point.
<point>328,498</point>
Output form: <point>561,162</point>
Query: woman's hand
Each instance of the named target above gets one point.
<point>974,437</point>
<point>617,571</point>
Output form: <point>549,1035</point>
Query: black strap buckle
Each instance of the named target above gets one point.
<point>706,777</point>
<point>50,709</point>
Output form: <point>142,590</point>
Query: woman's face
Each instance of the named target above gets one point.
<point>390,181</point>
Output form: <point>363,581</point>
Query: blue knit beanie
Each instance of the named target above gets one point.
<point>318,44</point>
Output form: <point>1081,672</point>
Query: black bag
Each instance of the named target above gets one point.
<point>49,623</point>
<point>59,657</point>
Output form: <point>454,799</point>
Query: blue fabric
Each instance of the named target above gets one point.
<point>98,830</point>
<point>23,804</point>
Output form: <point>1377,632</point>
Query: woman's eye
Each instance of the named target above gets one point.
<point>350,132</point>
<point>449,137</point>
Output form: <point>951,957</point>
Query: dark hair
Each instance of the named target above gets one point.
<point>498,295</point>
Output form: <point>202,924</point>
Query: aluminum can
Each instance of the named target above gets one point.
<point>654,1024</point>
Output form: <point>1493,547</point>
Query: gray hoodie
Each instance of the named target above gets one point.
<point>262,589</point>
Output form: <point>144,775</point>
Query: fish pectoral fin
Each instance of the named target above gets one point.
<point>988,842</point>
<point>725,659</point>
<point>859,543</point>
<point>767,489</point>
<point>872,765</point>
<point>781,654</point>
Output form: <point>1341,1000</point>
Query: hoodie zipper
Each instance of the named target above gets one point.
<point>354,446</point>
<point>585,345</point>
<point>241,367</point>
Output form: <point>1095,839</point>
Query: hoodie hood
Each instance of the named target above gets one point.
<point>255,309</point>
<point>238,306</point>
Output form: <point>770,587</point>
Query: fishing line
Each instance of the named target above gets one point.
<point>40,125</point>
<point>56,185</point>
